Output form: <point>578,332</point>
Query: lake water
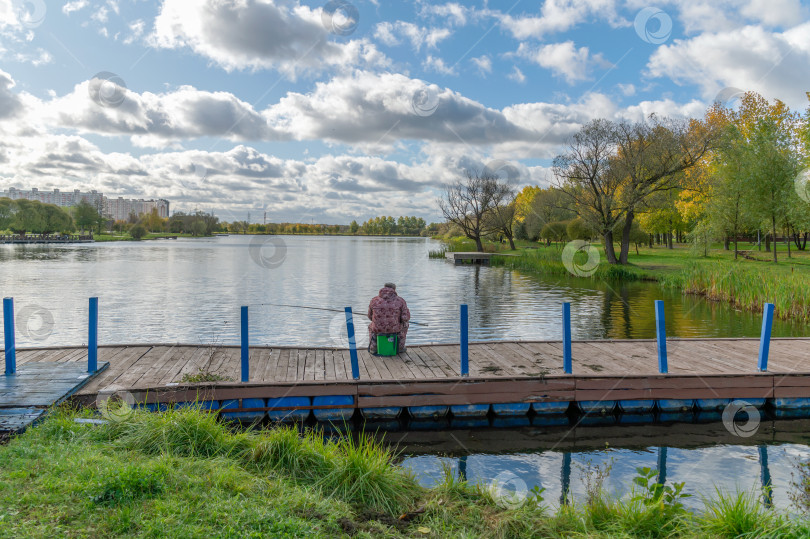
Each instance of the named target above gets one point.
<point>704,456</point>
<point>190,291</point>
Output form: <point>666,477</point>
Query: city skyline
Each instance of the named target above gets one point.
<point>116,208</point>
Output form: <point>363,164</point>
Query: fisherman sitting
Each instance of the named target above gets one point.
<point>389,314</point>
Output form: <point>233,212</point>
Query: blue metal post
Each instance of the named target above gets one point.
<point>661,334</point>
<point>352,344</point>
<point>765,476</point>
<point>566,314</point>
<point>8,327</point>
<point>765,338</point>
<point>662,465</point>
<point>92,337</point>
<point>465,362</point>
<point>565,478</point>
<point>245,346</point>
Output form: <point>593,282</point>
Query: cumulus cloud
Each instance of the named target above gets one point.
<point>771,63</point>
<point>563,59</point>
<point>158,119</point>
<point>75,5</point>
<point>392,33</point>
<point>698,16</point>
<point>559,16</point>
<point>483,63</point>
<point>10,102</point>
<point>258,34</point>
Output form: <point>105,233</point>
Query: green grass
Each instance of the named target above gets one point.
<point>150,236</point>
<point>746,282</point>
<point>183,474</point>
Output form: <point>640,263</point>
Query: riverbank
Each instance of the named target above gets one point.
<point>748,282</point>
<point>182,473</point>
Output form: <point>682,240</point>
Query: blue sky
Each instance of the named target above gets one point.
<point>333,111</point>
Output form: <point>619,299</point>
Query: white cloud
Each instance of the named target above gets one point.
<point>434,63</point>
<point>483,63</point>
<point>559,16</point>
<point>10,103</point>
<point>76,5</point>
<point>517,75</point>
<point>101,15</point>
<point>390,34</point>
<point>159,119</point>
<point>136,29</point>
<point>255,34</point>
<point>563,59</point>
<point>455,13</point>
<point>749,58</point>
<point>627,89</point>
<point>698,16</point>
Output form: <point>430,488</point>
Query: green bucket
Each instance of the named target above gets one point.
<point>387,344</point>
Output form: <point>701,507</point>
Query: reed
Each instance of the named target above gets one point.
<point>746,287</point>
<point>549,261</point>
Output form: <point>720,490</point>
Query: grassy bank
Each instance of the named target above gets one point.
<point>150,236</point>
<point>747,282</point>
<point>182,474</point>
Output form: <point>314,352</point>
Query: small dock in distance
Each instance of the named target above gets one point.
<point>34,239</point>
<point>459,258</point>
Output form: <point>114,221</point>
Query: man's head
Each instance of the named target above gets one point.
<point>392,286</point>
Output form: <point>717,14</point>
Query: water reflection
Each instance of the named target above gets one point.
<point>190,290</point>
<point>705,457</point>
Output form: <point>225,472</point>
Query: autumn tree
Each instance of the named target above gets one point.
<point>468,202</point>
<point>583,174</point>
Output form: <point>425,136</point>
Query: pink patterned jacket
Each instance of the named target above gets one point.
<point>388,312</point>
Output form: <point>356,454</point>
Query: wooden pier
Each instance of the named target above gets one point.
<point>26,395</point>
<point>506,378</point>
<point>460,258</point>
<point>33,239</point>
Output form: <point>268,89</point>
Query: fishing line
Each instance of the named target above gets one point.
<point>323,309</point>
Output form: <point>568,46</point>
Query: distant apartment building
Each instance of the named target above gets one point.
<point>121,208</point>
<point>56,196</point>
<point>113,208</point>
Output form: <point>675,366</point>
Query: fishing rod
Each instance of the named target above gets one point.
<point>326,309</point>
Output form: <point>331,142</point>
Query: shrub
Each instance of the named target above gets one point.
<point>137,231</point>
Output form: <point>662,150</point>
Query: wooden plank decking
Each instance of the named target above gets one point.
<point>429,374</point>
<point>26,395</point>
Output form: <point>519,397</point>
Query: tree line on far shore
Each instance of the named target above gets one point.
<point>734,172</point>
<point>33,217</point>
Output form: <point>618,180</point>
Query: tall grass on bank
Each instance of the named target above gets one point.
<point>184,474</point>
<point>745,286</point>
<point>549,261</point>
